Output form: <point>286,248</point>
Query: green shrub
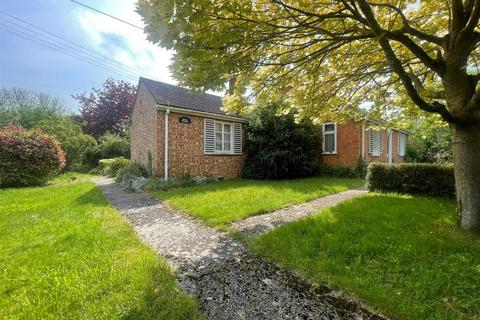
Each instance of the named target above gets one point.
<point>93,156</point>
<point>74,142</point>
<point>412,178</point>
<point>338,172</point>
<point>344,172</point>
<point>114,146</point>
<point>110,167</point>
<point>278,146</point>
<point>127,175</point>
<point>28,158</point>
<point>134,178</point>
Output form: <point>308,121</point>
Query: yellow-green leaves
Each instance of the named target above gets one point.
<point>325,50</point>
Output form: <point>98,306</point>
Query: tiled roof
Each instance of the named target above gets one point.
<point>169,95</point>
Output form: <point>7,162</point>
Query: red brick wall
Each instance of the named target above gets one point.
<point>349,146</point>
<point>143,129</point>
<point>186,150</point>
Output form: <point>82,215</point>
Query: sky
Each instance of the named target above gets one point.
<point>28,64</point>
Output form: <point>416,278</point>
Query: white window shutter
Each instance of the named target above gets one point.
<point>370,141</point>
<point>209,136</point>
<point>375,142</point>
<point>237,138</point>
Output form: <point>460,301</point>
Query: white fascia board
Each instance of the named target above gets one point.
<point>201,114</point>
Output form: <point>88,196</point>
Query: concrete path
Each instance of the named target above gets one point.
<point>228,282</point>
<point>262,223</point>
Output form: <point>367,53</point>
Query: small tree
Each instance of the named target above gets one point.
<point>278,147</point>
<point>28,158</point>
<point>107,109</point>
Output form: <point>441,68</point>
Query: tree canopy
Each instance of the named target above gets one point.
<point>335,54</point>
<point>26,108</point>
<point>107,109</point>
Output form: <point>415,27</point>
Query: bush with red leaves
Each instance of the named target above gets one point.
<point>28,158</point>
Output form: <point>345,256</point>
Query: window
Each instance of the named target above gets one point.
<point>375,142</point>
<point>329,135</point>
<point>223,137</point>
<point>402,143</point>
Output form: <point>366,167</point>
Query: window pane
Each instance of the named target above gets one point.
<point>218,127</point>
<point>218,141</point>
<point>227,146</point>
<point>377,142</point>
<point>329,127</point>
<point>329,142</point>
<point>227,128</point>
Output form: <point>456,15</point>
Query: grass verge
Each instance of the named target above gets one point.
<point>404,255</point>
<point>66,254</point>
<point>219,204</point>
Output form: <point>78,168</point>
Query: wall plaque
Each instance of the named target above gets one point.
<point>185,120</point>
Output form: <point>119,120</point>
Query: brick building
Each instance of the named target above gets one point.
<point>184,132</point>
<point>344,143</point>
<point>177,131</point>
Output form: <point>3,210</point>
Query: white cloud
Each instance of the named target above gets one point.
<point>122,42</point>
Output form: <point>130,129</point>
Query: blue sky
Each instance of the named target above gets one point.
<point>24,63</point>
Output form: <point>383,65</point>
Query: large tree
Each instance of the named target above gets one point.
<point>107,109</point>
<point>416,55</point>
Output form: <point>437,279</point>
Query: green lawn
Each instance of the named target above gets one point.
<point>404,255</point>
<point>219,204</point>
<point>66,254</point>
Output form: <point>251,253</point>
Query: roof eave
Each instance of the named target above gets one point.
<point>381,122</point>
<point>162,107</point>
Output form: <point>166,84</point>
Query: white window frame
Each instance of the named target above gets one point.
<point>223,151</point>
<point>334,132</point>
<point>401,152</point>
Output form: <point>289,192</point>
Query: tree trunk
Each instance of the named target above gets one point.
<point>466,156</point>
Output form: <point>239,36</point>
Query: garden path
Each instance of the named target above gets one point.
<point>228,281</point>
<point>262,223</point>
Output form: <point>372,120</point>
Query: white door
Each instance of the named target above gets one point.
<point>389,147</point>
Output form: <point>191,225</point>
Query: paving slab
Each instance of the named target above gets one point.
<point>256,225</point>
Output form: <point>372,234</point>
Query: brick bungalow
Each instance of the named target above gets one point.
<point>178,131</point>
<point>344,143</point>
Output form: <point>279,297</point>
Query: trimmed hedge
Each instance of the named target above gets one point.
<point>28,158</point>
<point>110,167</point>
<point>412,178</point>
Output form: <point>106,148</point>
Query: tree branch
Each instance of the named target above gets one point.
<point>421,89</point>
<point>473,18</point>
<point>407,28</point>
<point>436,65</point>
<point>396,65</point>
